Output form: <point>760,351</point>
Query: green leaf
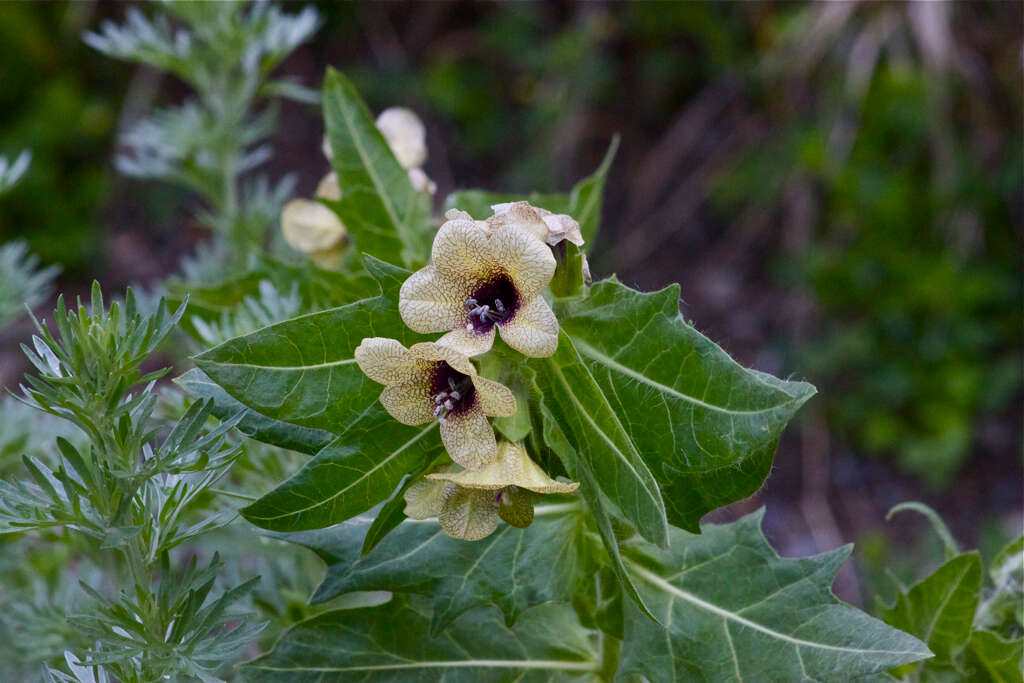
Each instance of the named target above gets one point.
<point>384,215</point>
<point>392,512</point>
<point>357,470</point>
<point>585,201</point>
<point>591,493</point>
<point>951,548</point>
<point>253,424</point>
<point>706,427</point>
<point>940,608</point>
<point>991,658</point>
<point>303,370</point>
<point>393,643</point>
<point>574,400</point>
<point>513,568</point>
<point>734,610</point>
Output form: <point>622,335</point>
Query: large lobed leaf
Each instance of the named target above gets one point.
<point>706,427</point>
<point>393,643</point>
<point>512,568</point>
<point>730,608</point>
<point>384,215</point>
<point>733,610</point>
<point>599,438</point>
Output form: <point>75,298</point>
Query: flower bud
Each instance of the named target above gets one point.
<point>313,229</point>
<point>405,134</point>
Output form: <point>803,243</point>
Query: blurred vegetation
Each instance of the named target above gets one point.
<point>60,99</point>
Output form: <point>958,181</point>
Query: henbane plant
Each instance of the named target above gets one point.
<point>521,456</point>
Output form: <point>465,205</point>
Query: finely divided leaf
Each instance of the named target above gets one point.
<point>253,424</point>
<point>384,215</point>
<point>733,610</point>
<point>512,568</point>
<point>594,426</point>
<point>357,470</point>
<point>705,426</point>
<point>393,643</point>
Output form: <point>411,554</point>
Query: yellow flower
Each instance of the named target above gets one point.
<point>469,503</point>
<point>478,281</point>
<point>548,227</point>
<point>429,381</point>
<point>315,230</point>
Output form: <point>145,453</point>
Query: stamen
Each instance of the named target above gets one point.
<point>500,306</point>
<point>455,395</point>
<point>449,405</point>
<point>451,383</point>
<point>469,304</point>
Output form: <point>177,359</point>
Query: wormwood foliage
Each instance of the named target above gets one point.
<point>123,498</point>
<point>656,423</point>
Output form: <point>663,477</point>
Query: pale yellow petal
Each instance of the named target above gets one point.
<point>533,330</point>
<point>462,254</point>
<point>431,302</point>
<point>494,398</point>
<point>434,351</point>
<point>328,188</point>
<point>384,360</point>
<point>409,403</point>
<point>527,261</point>
<point>457,214</point>
<point>309,226</point>
<point>469,438</point>
<point>467,342</point>
<point>423,499</point>
<point>467,514</point>
<point>511,467</point>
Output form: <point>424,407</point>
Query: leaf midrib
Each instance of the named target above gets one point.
<point>394,454</point>
<point>667,587</point>
<point>604,359</point>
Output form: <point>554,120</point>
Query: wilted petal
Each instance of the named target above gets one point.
<point>405,135</point>
<point>563,227</point>
<point>533,330</point>
<point>511,467</point>
<point>519,215</point>
<point>309,226</point>
<point>467,514</point>
<point>384,360</point>
<point>494,399</point>
<point>431,302</point>
<point>469,343</point>
<point>328,188</point>
<point>423,499</point>
<point>469,438</point>
<point>410,403</point>
<point>462,254</point>
<point>528,261</point>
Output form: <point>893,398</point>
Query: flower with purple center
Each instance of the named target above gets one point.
<point>429,381</point>
<point>480,282</point>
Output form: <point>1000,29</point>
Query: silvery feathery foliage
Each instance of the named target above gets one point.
<point>122,495</point>
<point>22,283</point>
<point>11,172</point>
<point>225,51</point>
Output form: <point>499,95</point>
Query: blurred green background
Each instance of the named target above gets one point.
<point>837,187</point>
